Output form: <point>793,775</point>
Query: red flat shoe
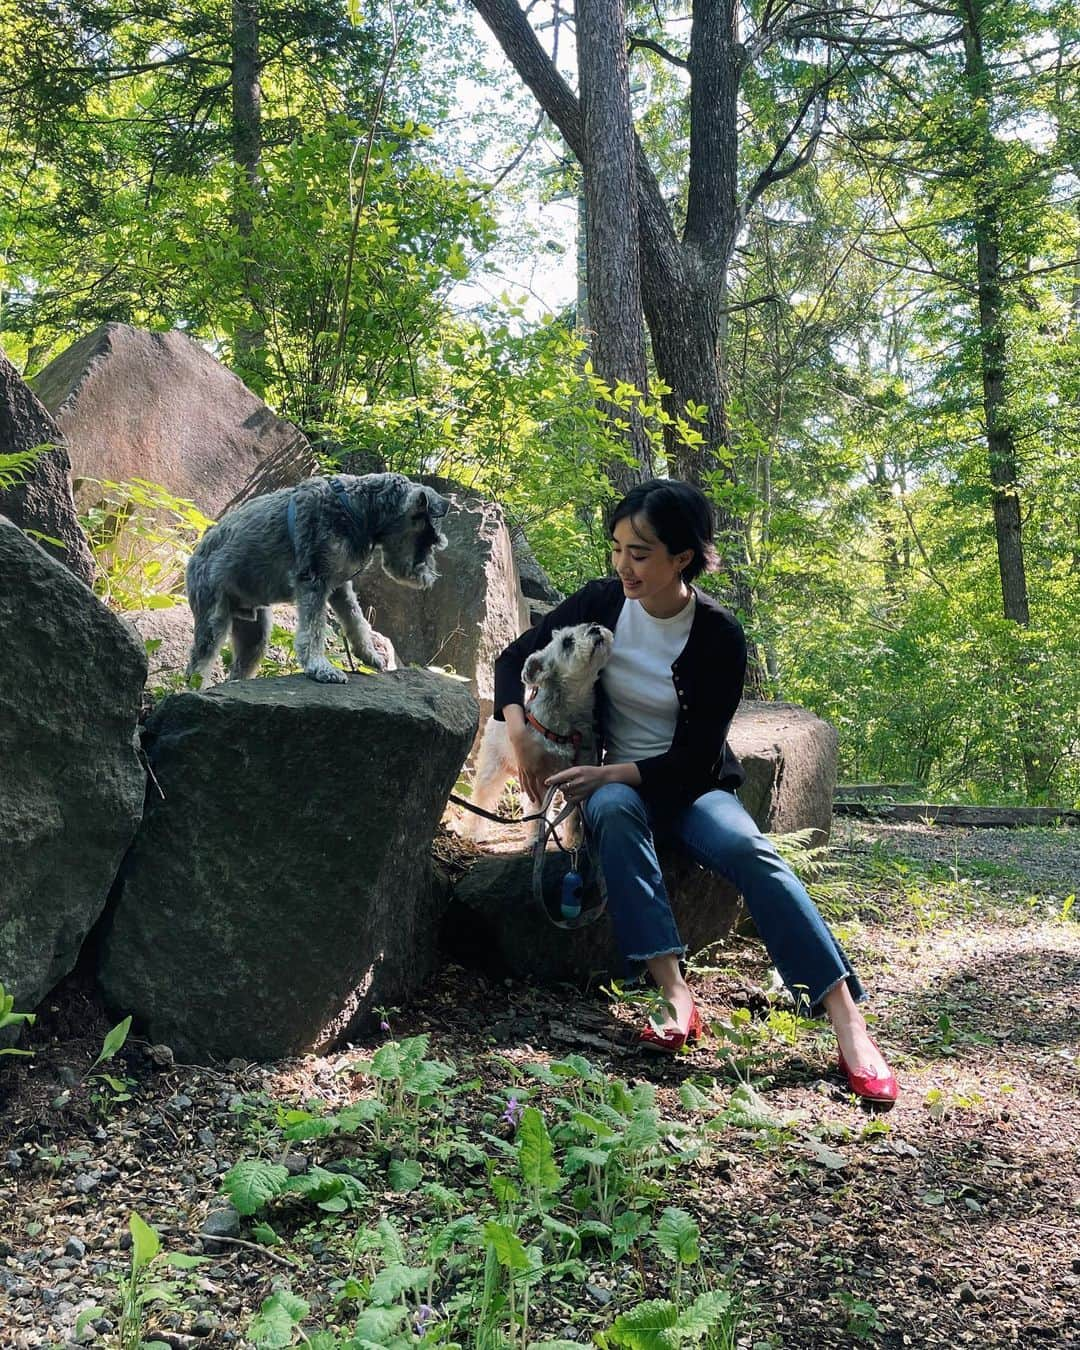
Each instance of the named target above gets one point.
<point>671,1041</point>
<point>883,1091</point>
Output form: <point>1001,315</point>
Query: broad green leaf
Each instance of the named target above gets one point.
<point>273,1325</point>
<point>359,1113</point>
<point>536,1154</point>
<point>145,1243</point>
<point>405,1174</point>
<point>649,1326</point>
<point>394,1280</point>
<point>677,1236</point>
<point>392,1246</point>
<point>252,1182</point>
<point>87,1316</point>
<point>707,1311</point>
<point>185,1261</point>
<point>458,1230</point>
<point>378,1324</point>
<point>508,1247</point>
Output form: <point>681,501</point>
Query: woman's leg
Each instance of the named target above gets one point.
<point>645,929</point>
<point>721,835</point>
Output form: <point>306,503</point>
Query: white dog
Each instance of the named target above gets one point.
<point>559,712</point>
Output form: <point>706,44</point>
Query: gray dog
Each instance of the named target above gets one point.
<point>306,544</point>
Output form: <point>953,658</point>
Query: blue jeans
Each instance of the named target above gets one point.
<point>720,834</point>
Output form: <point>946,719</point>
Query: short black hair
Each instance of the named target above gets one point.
<point>680,516</point>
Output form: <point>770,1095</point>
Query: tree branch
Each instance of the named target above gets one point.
<point>634,43</point>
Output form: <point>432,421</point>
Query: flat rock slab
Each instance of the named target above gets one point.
<point>71,784</point>
<point>157,406</point>
<point>280,891</point>
<point>492,924</point>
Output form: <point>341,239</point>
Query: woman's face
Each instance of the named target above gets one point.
<point>643,564</point>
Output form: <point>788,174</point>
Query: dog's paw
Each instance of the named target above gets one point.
<point>374,660</point>
<point>324,673</point>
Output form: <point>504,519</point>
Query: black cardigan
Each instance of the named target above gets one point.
<point>708,677</point>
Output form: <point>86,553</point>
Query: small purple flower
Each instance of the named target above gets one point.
<point>384,1025</point>
<point>424,1315</point>
<point>512,1114</point>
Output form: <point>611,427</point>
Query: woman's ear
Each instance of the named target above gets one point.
<point>532,672</point>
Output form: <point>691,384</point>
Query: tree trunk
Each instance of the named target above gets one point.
<point>682,283</point>
<point>611,232</point>
<point>1000,438</point>
<point>249,338</point>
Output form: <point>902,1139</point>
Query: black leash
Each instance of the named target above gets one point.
<point>550,830</point>
<point>490,815</point>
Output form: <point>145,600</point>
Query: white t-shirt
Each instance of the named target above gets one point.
<point>642,706</point>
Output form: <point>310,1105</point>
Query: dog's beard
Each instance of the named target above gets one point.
<point>403,565</point>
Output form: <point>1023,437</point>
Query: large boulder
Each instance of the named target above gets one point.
<point>42,500</point>
<point>71,784</point>
<point>790,760</point>
<point>475,608</point>
<point>535,582</point>
<point>280,889</point>
<point>157,406</point>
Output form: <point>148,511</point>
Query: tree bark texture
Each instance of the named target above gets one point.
<point>611,220</point>
<point>249,338</point>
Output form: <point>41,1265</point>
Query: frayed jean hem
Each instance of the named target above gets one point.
<point>817,1005</point>
<point>680,952</point>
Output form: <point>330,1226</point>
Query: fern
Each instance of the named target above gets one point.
<point>15,467</point>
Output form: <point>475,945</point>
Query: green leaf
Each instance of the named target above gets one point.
<point>707,1311</point>
<point>87,1316</point>
<point>252,1182</point>
<point>113,1041</point>
<point>405,1174</point>
<point>536,1155</point>
<point>392,1245</point>
<point>272,1326</point>
<point>394,1280</point>
<point>677,1236</point>
<point>649,1326</point>
<point>185,1261</point>
<point>145,1243</point>
<point>264,1234</point>
<point>378,1324</point>
<point>508,1247</point>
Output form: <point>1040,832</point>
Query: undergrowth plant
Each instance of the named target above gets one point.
<point>10,1018</point>
<point>141,536</point>
<point>519,1212</point>
<point>141,1287</point>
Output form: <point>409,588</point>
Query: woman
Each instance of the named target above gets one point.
<point>667,698</point>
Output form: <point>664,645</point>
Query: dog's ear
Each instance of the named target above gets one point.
<point>534,670</point>
<point>437,506</point>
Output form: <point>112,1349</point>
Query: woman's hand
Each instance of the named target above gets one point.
<point>580,782</point>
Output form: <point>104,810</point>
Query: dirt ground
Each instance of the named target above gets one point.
<point>952,1220</point>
